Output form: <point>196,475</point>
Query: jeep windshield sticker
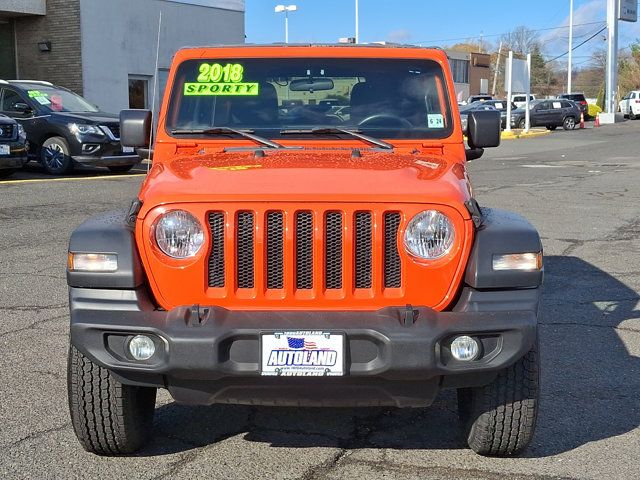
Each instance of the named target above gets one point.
<point>40,97</point>
<point>216,79</point>
<point>435,120</point>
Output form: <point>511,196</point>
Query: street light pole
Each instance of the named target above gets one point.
<point>357,24</point>
<point>612,56</point>
<point>286,26</point>
<point>286,10</point>
<point>569,75</point>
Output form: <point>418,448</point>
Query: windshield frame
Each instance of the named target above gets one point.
<point>231,54</point>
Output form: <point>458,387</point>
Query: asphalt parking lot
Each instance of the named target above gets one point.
<point>580,189</point>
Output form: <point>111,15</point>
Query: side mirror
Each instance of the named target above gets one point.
<point>483,129</point>
<point>135,128</point>
<point>22,108</point>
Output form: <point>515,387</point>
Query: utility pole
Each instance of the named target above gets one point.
<point>495,74</point>
<point>357,24</point>
<point>570,47</point>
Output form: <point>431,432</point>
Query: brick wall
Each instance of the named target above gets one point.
<point>60,26</point>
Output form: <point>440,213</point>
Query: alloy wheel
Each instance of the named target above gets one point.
<point>54,156</point>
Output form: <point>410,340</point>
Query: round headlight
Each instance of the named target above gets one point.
<point>429,235</point>
<point>179,234</point>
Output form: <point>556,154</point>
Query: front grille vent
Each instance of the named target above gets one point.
<point>304,250</point>
<point>392,264</point>
<point>244,250</point>
<point>333,250</point>
<point>363,250</point>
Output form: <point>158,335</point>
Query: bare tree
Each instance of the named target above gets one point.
<point>521,40</point>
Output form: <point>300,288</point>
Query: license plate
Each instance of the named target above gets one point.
<point>5,150</point>
<point>302,353</point>
<point>127,150</point>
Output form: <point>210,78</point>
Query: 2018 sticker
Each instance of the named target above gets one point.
<point>218,79</point>
<point>435,120</point>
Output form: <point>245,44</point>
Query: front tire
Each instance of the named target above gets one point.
<point>569,123</point>
<point>499,419</point>
<point>55,156</point>
<point>109,418</point>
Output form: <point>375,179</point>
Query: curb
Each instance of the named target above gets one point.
<point>515,134</point>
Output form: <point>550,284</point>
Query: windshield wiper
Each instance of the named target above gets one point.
<point>337,130</point>
<point>227,130</point>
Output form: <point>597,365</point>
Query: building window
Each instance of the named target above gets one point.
<point>460,70</point>
<point>138,92</point>
<point>7,50</point>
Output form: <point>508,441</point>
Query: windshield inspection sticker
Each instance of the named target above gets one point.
<point>216,79</point>
<point>435,120</point>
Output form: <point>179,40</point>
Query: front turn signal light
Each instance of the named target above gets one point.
<point>92,262</point>
<point>518,261</point>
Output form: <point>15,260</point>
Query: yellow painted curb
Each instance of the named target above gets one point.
<point>515,134</point>
<point>71,179</point>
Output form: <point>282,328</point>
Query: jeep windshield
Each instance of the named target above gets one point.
<point>54,99</point>
<point>310,97</point>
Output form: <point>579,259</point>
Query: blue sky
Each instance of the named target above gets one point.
<point>430,22</point>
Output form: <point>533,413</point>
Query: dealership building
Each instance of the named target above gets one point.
<point>105,50</point>
<point>471,73</point>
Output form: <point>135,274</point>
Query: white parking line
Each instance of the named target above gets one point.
<point>542,166</point>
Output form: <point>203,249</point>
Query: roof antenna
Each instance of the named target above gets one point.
<point>155,87</point>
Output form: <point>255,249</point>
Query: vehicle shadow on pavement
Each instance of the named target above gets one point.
<point>590,387</point>
<point>590,380</point>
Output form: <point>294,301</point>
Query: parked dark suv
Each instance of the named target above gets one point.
<point>63,128</point>
<point>548,113</point>
<point>580,99</point>
<point>13,146</point>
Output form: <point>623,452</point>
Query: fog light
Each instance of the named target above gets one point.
<point>141,347</point>
<point>465,348</point>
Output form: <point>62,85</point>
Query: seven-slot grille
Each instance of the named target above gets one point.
<point>316,242</point>
<point>6,131</point>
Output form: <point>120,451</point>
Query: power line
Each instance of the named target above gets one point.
<point>506,33</point>
<point>579,45</point>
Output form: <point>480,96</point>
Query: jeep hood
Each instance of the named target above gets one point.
<point>307,176</point>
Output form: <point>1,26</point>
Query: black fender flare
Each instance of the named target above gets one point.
<point>502,232</point>
<point>109,232</point>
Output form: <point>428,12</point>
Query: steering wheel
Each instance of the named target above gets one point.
<point>385,119</point>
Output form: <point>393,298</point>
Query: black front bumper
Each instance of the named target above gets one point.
<point>106,155</point>
<point>17,156</point>
<point>212,355</point>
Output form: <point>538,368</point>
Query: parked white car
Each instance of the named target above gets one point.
<point>520,99</point>
<point>630,104</point>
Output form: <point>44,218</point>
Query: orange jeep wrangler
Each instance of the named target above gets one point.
<point>307,236</point>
